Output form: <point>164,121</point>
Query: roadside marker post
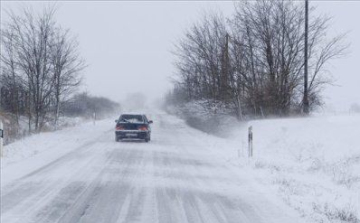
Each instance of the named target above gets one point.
<point>1,138</point>
<point>250,142</point>
<point>94,117</point>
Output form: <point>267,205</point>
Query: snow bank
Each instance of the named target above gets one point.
<point>17,130</point>
<point>314,163</point>
<point>28,154</point>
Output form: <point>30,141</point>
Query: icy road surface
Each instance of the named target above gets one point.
<point>180,176</point>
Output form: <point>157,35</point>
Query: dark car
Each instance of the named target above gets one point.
<point>133,126</point>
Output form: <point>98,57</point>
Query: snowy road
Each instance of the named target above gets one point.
<point>178,177</point>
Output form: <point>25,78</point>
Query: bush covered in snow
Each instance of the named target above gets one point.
<point>207,115</point>
<point>12,130</point>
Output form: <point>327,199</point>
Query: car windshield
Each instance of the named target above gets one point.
<point>132,118</point>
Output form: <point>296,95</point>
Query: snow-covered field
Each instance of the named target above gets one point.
<point>314,163</point>
<point>303,170</point>
<point>30,153</point>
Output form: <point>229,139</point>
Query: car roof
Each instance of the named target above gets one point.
<point>132,114</point>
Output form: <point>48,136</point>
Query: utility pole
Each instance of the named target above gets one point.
<point>306,92</point>
<point>225,69</point>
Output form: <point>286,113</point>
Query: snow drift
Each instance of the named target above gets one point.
<point>314,163</point>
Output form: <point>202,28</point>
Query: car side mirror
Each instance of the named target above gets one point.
<point>150,122</point>
<point>116,120</point>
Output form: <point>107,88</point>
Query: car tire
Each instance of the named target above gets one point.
<point>147,139</point>
<point>117,139</point>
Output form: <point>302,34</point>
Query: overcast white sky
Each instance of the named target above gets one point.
<point>127,44</point>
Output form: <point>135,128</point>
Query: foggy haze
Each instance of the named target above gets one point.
<point>128,45</point>
<point>239,140</point>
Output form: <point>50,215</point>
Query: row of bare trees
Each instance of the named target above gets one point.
<point>40,66</point>
<point>254,61</point>
<point>88,106</point>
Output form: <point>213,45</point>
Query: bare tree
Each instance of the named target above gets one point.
<point>254,63</point>
<point>9,79</point>
<point>201,59</point>
<point>67,64</point>
<point>43,59</point>
<point>278,30</point>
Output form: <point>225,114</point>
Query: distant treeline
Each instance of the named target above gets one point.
<point>80,105</point>
<point>253,61</point>
<point>84,105</point>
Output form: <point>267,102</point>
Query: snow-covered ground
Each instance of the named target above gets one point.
<point>83,175</point>
<point>303,170</point>
<point>33,152</point>
<point>15,131</point>
<point>314,163</point>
